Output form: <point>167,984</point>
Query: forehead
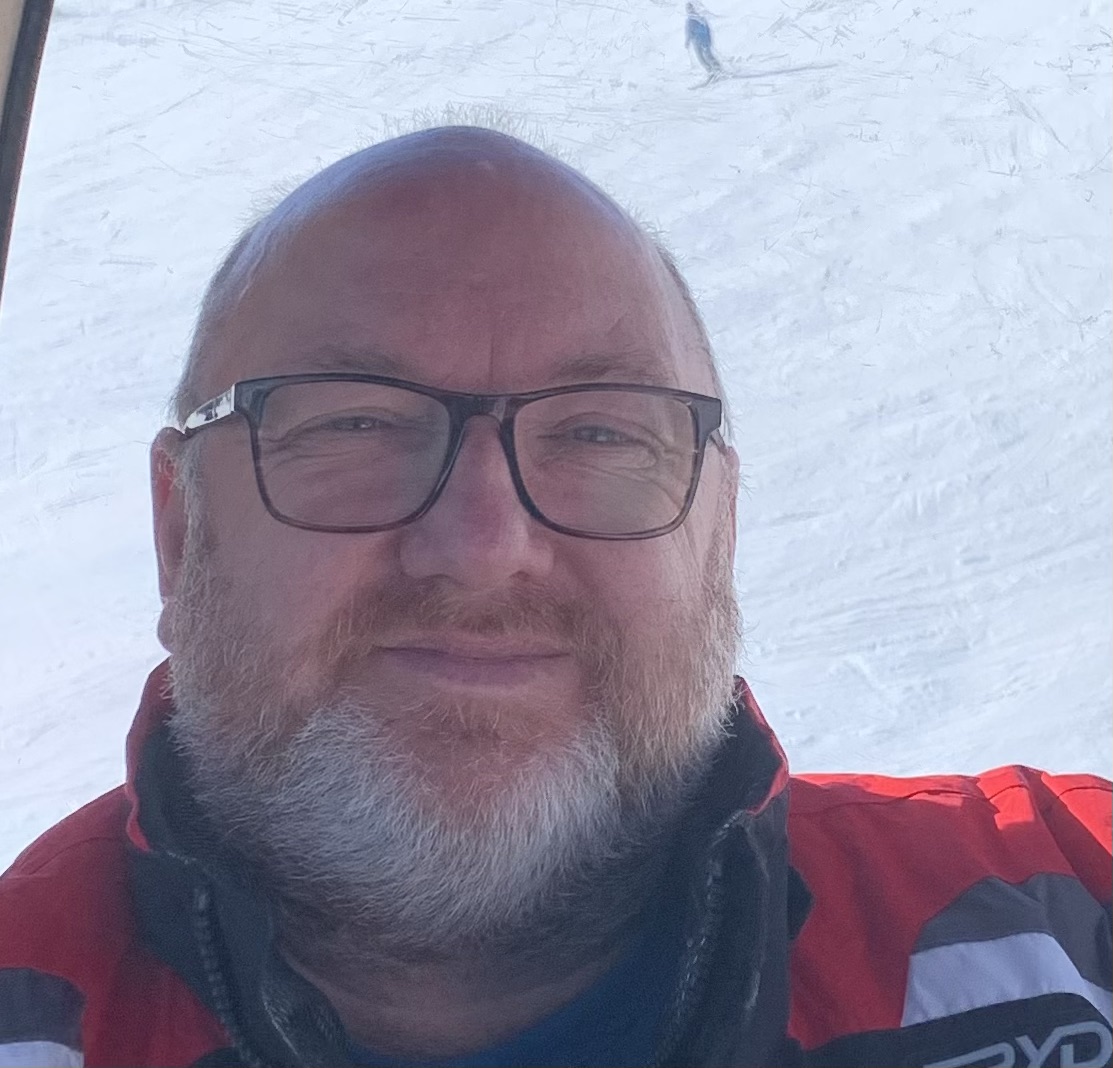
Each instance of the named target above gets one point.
<point>473,274</point>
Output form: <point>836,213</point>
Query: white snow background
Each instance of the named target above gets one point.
<point>898,225</point>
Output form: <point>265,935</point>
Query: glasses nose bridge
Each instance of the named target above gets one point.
<point>496,405</point>
<point>501,408</point>
<point>465,406</point>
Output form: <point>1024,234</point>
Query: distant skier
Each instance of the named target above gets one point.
<point>697,34</point>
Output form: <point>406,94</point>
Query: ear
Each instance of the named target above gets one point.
<point>169,513</point>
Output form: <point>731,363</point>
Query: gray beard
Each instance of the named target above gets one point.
<point>368,862</point>
<point>363,870</point>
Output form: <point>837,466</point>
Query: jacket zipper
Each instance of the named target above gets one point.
<point>696,950</point>
<point>214,975</point>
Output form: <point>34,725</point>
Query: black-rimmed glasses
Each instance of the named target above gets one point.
<point>366,453</point>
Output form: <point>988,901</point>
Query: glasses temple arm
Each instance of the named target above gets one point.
<point>213,410</point>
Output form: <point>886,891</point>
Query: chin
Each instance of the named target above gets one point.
<point>483,753</point>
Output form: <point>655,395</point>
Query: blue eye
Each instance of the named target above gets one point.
<point>601,435</point>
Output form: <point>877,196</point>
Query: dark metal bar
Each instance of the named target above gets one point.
<point>16,115</point>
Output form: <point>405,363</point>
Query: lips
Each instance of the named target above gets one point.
<point>471,649</point>
<point>483,663</point>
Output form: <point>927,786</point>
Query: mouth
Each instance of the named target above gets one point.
<point>477,664</point>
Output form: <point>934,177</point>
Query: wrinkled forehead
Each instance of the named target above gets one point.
<point>472,262</point>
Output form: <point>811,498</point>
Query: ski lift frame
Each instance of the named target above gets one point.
<point>23,26</point>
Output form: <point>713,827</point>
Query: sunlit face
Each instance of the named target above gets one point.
<point>475,655</point>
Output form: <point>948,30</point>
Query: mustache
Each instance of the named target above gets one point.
<point>372,616</point>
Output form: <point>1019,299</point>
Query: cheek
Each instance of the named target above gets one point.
<point>285,582</point>
<point>636,584</point>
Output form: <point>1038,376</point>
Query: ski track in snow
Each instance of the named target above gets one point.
<point>902,254</point>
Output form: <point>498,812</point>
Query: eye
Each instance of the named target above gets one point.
<point>356,422</point>
<point>361,422</point>
<point>342,429</point>
<point>595,434</point>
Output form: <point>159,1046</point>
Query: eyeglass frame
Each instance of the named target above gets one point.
<point>248,397</point>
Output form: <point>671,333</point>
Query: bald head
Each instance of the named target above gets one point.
<point>473,189</point>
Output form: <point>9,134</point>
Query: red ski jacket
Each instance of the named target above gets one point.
<point>831,920</point>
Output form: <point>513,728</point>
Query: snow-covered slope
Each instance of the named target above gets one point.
<point>897,218</point>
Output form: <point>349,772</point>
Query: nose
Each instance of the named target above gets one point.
<point>478,533</point>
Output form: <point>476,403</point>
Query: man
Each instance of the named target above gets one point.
<point>447,765</point>
<point>697,35</point>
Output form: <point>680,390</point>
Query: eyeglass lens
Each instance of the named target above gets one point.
<point>359,454</point>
